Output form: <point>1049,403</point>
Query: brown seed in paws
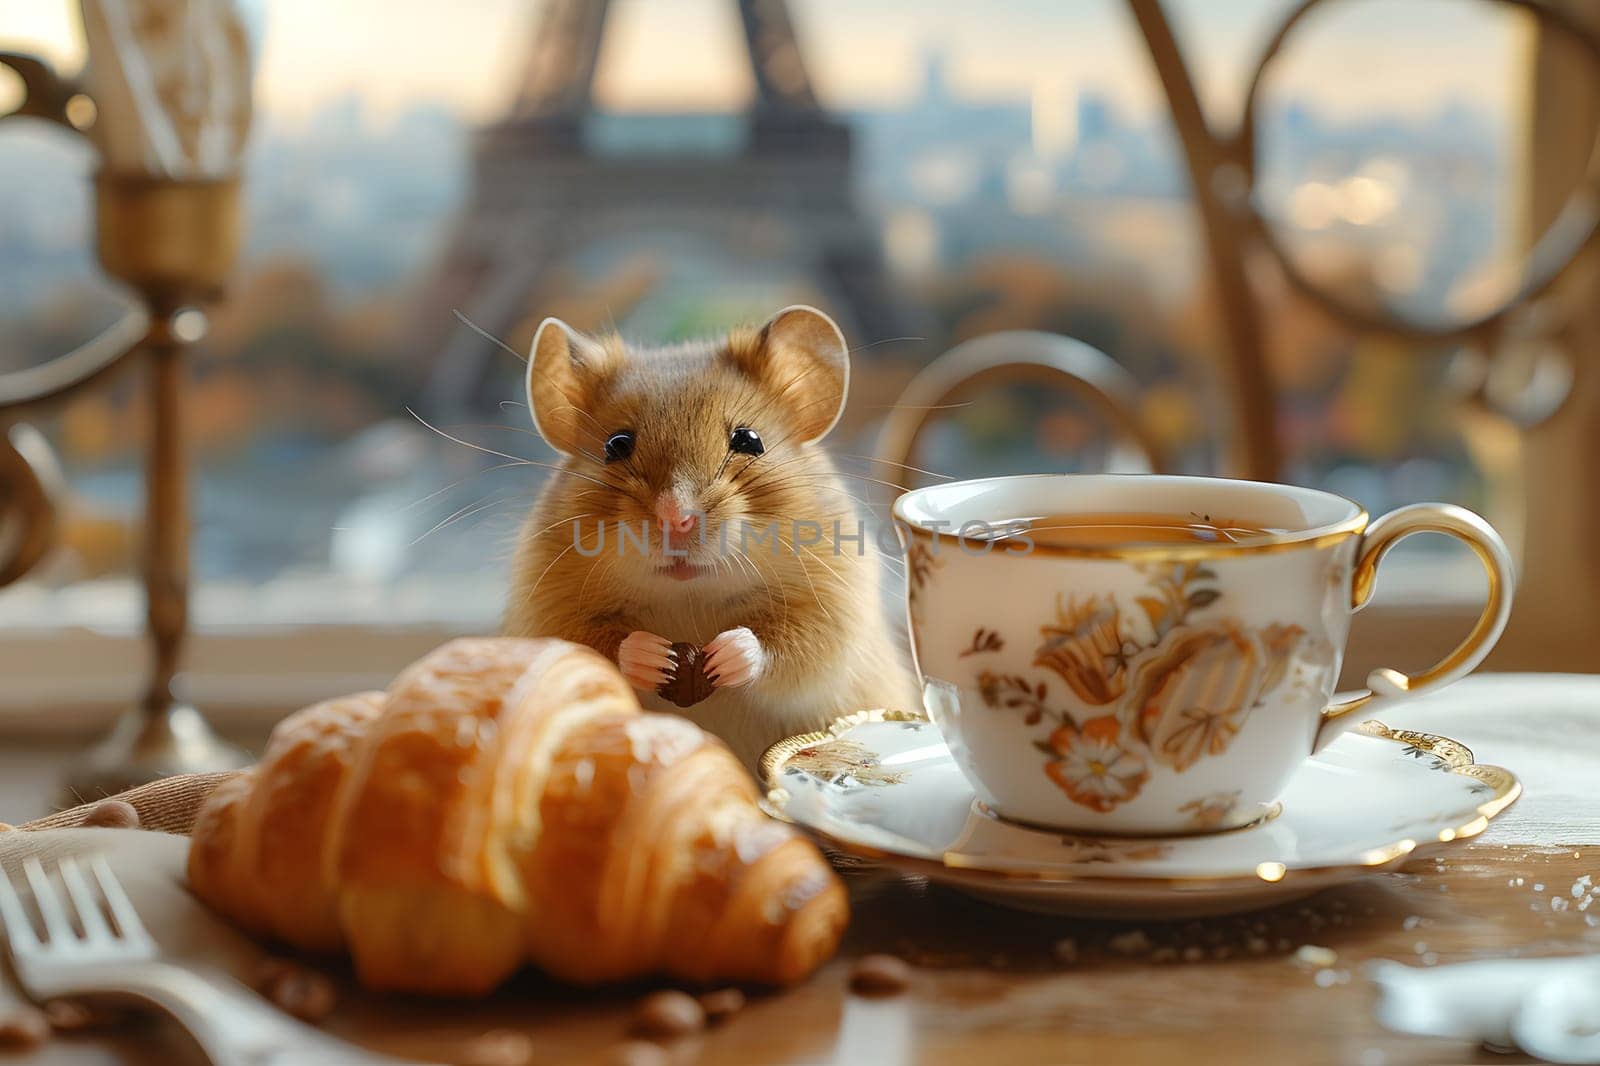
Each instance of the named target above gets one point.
<point>23,1029</point>
<point>498,1047</point>
<point>113,814</point>
<point>722,1004</point>
<point>668,1013</point>
<point>688,684</point>
<point>879,975</point>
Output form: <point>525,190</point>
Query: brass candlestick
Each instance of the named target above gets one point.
<point>175,243</point>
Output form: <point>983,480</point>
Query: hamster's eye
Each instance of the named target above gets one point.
<point>746,441</point>
<point>619,445</point>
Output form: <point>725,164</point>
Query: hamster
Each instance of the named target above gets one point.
<point>713,448</point>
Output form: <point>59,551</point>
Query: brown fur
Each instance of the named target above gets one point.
<point>816,612</point>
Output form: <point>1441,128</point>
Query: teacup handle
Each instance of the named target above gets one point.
<point>1384,534</point>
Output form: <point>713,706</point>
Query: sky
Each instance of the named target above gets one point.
<point>1358,56</point>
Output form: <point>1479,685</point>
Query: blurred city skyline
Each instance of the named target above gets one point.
<point>365,195</point>
<point>667,55</point>
<point>1016,178</point>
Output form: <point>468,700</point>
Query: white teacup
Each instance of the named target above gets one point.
<point>1153,687</point>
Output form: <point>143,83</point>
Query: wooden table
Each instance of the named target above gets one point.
<point>996,986</point>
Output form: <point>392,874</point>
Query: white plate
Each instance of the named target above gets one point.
<point>883,786</point>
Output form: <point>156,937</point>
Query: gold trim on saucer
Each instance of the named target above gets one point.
<point>774,757</point>
<point>1458,758</point>
<point>1455,757</point>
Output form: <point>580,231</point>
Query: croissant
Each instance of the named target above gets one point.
<point>507,802</point>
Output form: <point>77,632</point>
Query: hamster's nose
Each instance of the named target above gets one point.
<point>674,516</point>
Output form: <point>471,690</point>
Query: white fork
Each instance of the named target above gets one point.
<point>117,958</point>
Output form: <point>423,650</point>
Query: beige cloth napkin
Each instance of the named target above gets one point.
<point>167,806</point>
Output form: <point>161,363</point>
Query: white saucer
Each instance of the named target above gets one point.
<point>882,785</point>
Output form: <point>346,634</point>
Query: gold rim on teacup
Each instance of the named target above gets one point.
<point>1318,536</point>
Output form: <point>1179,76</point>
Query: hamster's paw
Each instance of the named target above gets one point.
<point>735,658</point>
<point>646,660</point>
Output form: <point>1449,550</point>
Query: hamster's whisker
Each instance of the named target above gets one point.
<point>743,559</point>
<point>799,478</point>
<point>782,589</point>
<point>526,432</point>
<point>560,469</point>
<point>599,431</point>
<point>891,462</point>
<point>546,572</point>
<point>464,512</point>
<point>874,480</point>
<point>886,340</point>
<point>486,335</point>
<point>804,549</point>
<point>920,406</point>
<point>814,594</point>
<point>457,482</point>
<point>565,521</point>
<point>496,425</point>
<point>762,475</point>
<point>590,498</point>
<point>778,396</point>
<point>798,408</point>
<point>768,400</point>
<point>583,589</point>
<point>777,443</point>
<point>515,459</point>
<point>771,468</point>
<point>723,562</point>
<point>469,444</point>
<point>592,420</point>
<point>775,479</point>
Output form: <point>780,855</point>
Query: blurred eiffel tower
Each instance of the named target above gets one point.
<point>543,192</point>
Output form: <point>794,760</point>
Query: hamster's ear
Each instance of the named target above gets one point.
<point>564,370</point>
<point>800,354</point>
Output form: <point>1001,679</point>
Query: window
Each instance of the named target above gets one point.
<point>1015,165</point>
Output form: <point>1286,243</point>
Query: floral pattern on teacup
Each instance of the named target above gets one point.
<point>1194,695</point>
<point>1086,648</point>
<point>1176,688</point>
<point>1092,767</point>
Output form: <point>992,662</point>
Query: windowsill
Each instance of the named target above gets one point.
<point>74,658</point>
<point>116,606</point>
